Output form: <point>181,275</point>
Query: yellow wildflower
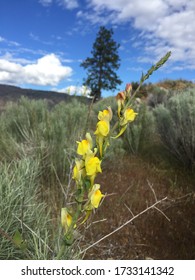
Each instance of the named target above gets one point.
<point>105,115</point>
<point>92,165</point>
<point>95,196</point>
<point>129,116</point>
<point>103,128</point>
<point>66,219</point>
<point>85,145</point>
<point>78,170</point>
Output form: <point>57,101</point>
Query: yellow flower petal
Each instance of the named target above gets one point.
<point>92,166</point>
<point>103,128</point>
<point>129,115</point>
<point>89,139</point>
<point>83,147</point>
<point>78,170</point>
<point>100,140</point>
<point>105,115</point>
<point>96,198</point>
<point>66,219</point>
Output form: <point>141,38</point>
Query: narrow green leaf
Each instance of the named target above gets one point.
<point>17,238</point>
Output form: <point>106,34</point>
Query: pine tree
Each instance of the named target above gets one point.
<point>103,63</point>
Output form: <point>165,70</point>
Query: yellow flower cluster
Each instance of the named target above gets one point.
<point>103,129</point>
<point>125,113</point>
<point>88,162</point>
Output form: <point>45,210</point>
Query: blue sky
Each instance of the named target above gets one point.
<point>43,42</point>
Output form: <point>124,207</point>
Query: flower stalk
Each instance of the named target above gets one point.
<point>90,154</point>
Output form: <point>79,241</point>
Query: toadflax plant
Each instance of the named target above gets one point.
<point>90,153</point>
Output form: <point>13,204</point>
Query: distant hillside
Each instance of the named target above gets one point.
<point>12,93</point>
<point>179,84</point>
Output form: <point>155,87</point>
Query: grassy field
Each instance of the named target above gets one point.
<point>37,152</point>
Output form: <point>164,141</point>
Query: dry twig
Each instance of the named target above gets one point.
<point>126,223</point>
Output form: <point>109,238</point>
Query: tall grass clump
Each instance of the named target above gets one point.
<point>19,128</point>
<point>22,120</point>
<point>176,126</point>
<point>49,136</point>
<point>24,221</point>
<point>58,140</point>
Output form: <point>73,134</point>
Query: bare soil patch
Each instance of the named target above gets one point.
<point>130,184</point>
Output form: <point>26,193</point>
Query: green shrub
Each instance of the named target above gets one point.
<point>22,120</point>
<point>142,91</point>
<point>58,139</point>
<point>29,128</point>
<point>37,148</point>
<point>21,211</point>
<point>157,96</point>
<point>19,127</point>
<point>139,134</point>
<point>176,126</point>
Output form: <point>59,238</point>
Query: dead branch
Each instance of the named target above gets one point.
<point>126,223</point>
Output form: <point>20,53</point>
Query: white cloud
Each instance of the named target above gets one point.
<point>75,90</point>
<point>124,10</point>
<point>8,56</point>
<point>2,39</point>
<point>45,2</point>
<point>68,4</point>
<point>36,38</point>
<point>47,70</point>
<point>8,42</point>
<point>163,24</point>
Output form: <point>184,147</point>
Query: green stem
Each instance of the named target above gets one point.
<point>155,67</point>
<point>142,80</point>
<point>60,253</point>
<point>88,116</point>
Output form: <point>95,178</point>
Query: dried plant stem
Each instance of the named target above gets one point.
<point>4,234</point>
<point>151,187</point>
<point>162,213</point>
<point>126,223</point>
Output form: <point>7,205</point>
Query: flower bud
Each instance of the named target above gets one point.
<point>128,89</point>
